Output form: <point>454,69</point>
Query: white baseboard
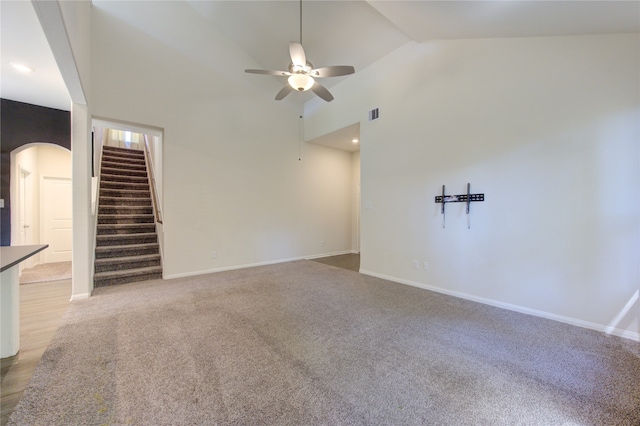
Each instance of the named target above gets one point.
<point>79,296</point>
<point>524,310</point>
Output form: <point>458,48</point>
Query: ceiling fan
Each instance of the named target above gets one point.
<point>301,73</point>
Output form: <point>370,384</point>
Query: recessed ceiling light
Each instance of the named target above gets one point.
<point>355,141</point>
<point>22,68</point>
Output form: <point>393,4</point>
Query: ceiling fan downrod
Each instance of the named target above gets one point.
<point>301,74</point>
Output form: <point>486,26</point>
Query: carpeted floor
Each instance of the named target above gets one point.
<point>349,261</point>
<point>56,271</point>
<point>304,343</point>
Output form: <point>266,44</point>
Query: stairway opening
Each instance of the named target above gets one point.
<point>127,203</point>
<point>127,248</point>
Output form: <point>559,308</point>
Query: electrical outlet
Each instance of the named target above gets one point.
<point>415,264</point>
<point>322,243</point>
<point>214,254</point>
<point>425,265</point>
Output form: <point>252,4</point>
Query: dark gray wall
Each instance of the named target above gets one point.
<point>21,124</point>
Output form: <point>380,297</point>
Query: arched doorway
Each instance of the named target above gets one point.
<point>41,196</point>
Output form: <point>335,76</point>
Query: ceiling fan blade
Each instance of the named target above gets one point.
<point>270,72</point>
<point>284,92</point>
<point>296,51</point>
<point>321,91</point>
<point>333,71</point>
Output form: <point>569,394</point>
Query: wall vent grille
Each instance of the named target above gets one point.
<point>374,114</point>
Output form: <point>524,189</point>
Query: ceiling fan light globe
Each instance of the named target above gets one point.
<point>301,82</point>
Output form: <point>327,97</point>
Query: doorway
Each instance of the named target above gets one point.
<point>137,137</point>
<point>41,198</point>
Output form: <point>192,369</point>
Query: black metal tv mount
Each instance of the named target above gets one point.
<point>462,198</point>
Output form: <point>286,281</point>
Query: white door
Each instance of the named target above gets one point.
<point>56,207</point>
<point>25,215</point>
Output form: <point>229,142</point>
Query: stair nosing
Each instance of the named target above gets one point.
<point>127,191</point>
<point>137,235</point>
<point>120,166</point>
<point>141,175</point>
<point>127,246</point>
<point>131,151</point>
<point>122,216</point>
<point>108,172</point>
<point>128,272</point>
<point>132,161</point>
<point>125,225</point>
<point>132,258</point>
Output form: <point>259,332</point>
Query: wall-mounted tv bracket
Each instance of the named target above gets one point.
<point>462,198</point>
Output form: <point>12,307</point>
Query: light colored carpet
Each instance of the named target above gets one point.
<point>345,261</point>
<point>304,343</point>
<point>56,271</point>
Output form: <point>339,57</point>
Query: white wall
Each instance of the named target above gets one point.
<point>232,182</point>
<point>355,211</point>
<point>547,129</point>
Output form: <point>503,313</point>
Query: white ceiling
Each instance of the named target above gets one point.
<point>344,32</point>
<point>342,139</point>
<point>22,40</point>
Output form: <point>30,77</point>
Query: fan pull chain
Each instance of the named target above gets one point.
<point>300,136</point>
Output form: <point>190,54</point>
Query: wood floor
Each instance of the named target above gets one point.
<point>42,305</point>
<point>344,261</point>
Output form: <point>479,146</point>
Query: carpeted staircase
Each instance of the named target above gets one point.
<point>127,247</point>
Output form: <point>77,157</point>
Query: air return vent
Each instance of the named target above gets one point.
<point>374,114</point>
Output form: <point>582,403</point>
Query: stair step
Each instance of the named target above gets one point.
<point>120,157</point>
<point>123,201</point>
<point>102,279</point>
<point>104,219</point>
<point>106,252</point>
<point>118,150</point>
<point>123,172</point>
<point>126,210</point>
<point>122,151</point>
<point>124,193</point>
<point>122,179</point>
<point>125,186</point>
<point>126,228</point>
<point>129,262</point>
<point>123,239</point>
<point>124,163</point>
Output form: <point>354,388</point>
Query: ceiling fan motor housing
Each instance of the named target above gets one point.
<point>300,78</point>
<point>301,69</point>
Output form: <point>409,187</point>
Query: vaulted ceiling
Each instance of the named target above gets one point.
<point>354,33</point>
